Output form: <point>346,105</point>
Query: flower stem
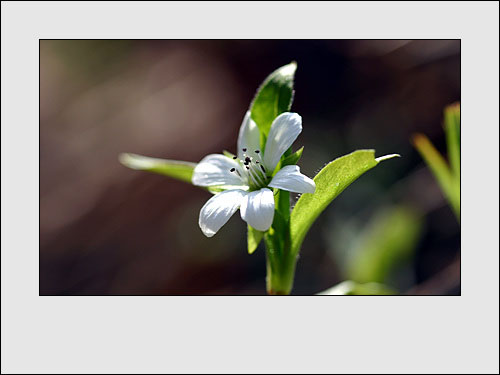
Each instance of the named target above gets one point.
<point>280,266</point>
<point>280,260</point>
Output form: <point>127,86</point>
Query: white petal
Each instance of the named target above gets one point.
<point>218,209</point>
<point>257,209</point>
<point>284,131</point>
<point>249,136</point>
<point>214,170</point>
<point>289,178</point>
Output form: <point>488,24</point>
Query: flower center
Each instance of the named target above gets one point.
<point>251,170</point>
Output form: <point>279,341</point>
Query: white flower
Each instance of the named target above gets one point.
<point>246,179</point>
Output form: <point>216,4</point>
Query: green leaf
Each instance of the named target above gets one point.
<point>330,182</point>
<point>253,239</point>
<point>441,171</point>
<point>273,97</point>
<point>351,288</point>
<point>293,158</point>
<point>452,130</point>
<point>180,170</point>
<point>387,241</point>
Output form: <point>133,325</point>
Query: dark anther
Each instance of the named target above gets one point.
<point>235,157</point>
<point>246,162</point>
<point>233,169</point>
<point>257,151</point>
<point>263,169</point>
<point>248,167</point>
<point>257,162</point>
<point>244,150</point>
<point>247,159</point>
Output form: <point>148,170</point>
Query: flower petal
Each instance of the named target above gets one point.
<point>249,136</point>
<point>257,209</point>
<point>214,170</point>
<point>289,178</point>
<point>218,209</point>
<point>284,131</point>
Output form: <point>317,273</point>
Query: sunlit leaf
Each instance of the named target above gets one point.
<point>180,170</point>
<point>273,97</point>
<point>330,182</point>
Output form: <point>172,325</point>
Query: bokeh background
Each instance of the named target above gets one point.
<point>109,230</point>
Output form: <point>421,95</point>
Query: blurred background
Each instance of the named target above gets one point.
<point>109,230</point>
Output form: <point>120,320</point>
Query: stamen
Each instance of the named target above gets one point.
<point>258,176</point>
<point>253,176</point>
<point>254,180</point>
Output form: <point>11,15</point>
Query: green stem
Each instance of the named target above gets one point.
<point>280,266</point>
<point>280,262</point>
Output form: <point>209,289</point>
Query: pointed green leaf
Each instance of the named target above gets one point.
<point>180,170</point>
<point>273,97</point>
<point>293,158</point>
<point>452,130</point>
<point>253,239</point>
<point>330,182</point>
<point>441,171</point>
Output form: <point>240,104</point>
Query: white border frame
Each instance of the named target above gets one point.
<point>250,334</point>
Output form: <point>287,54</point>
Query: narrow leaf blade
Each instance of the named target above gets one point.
<point>180,170</point>
<point>273,97</point>
<point>452,130</point>
<point>440,169</point>
<point>330,182</point>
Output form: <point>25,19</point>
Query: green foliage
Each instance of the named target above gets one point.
<point>330,182</point>
<point>452,130</point>
<point>351,288</point>
<point>254,237</point>
<point>292,159</point>
<point>273,97</point>
<point>447,176</point>
<point>389,240</point>
<point>180,170</point>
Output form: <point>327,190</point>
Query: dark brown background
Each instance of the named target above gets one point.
<point>105,229</point>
